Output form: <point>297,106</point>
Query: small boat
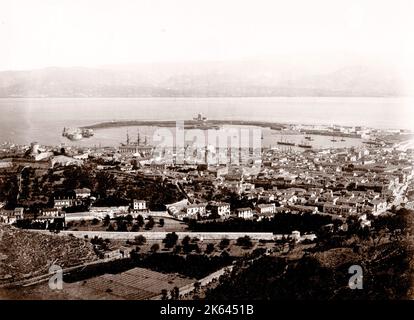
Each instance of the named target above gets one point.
<point>309,138</point>
<point>334,140</point>
<point>372,142</point>
<point>343,140</point>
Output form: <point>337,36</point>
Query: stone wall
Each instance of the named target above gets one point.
<point>161,235</point>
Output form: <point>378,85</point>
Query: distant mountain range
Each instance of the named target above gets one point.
<point>212,79</point>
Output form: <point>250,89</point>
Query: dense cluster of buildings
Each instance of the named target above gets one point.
<point>349,181</point>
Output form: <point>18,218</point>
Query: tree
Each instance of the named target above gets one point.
<point>140,221</point>
<point>196,248</point>
<point>186,240</point>
<point>105,181</point>
<point>161,222</point>
<point>135,253</point>
<point>150,223</point>
<point>224,243</point>
<point>197,286</point>
<point>135,227</point>
<point>177,249</point>
<point>164,294</point>
<point>245,242</point>
<point>186,244</point>
<point>175,293</point>
<point>209,248</point>
<point>122,226</point>
<point>140,240</point>
<point>106,220</point>
<point>170,240</point>
<point>155,247</point>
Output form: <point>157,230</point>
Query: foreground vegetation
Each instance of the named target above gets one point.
<point>384,251</point>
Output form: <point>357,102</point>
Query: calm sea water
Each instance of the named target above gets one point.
<point>26,120</point>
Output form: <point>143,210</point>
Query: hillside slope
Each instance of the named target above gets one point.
<point>25,254</point>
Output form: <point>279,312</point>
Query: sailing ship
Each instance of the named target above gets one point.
<point>285,142</point>
<point>304,145</point>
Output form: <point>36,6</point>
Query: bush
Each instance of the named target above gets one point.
<point>170,240</point>
<point>155,247</point>
<point>150,224</point>
<point>106,220</point>
<point>161,222</point>
<point>209,248</point>
<point>224,243</point>
<point>140,221</point>
<point>140,240</point>
<point>245,242</point>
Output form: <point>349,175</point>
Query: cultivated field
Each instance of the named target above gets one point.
<point>134,284</point>
<point>137,283</point>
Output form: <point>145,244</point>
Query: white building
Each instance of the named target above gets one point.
<point>245,213</point>
<point>61,203</point>
<point>65,161</point>
<point>195,209</point>
<point>338,209</point>
<point>379,206</point>
<point>11,216</point>
<point>83,193</point>
<point>49,215</point>
<point>112,212</point>
<point>266,208</point>
<point>139,205</point>
<point>222,209</point>
<point>295,236</point>
<point>53,213</point>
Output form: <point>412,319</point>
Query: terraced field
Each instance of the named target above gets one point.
<point>136,284</point>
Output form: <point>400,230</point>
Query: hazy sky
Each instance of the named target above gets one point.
<point>42,33</point>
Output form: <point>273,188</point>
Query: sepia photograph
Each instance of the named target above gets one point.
<point>210,151</point>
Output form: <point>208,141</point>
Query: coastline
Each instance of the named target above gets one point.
<point>188,124</point>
